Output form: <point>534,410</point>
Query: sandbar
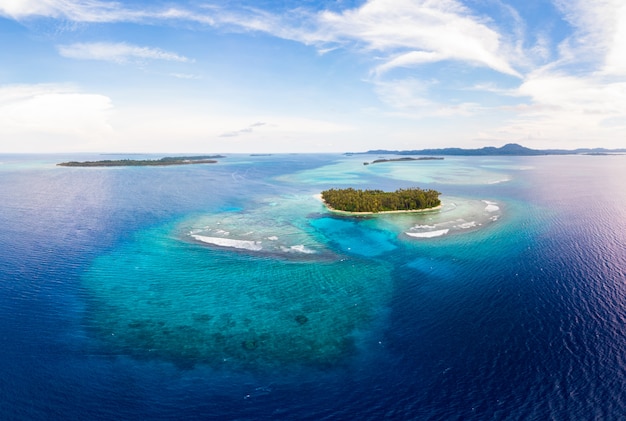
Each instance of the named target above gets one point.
<point>491,206</point>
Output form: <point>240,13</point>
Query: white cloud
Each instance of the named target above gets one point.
<point>117,52</point>
<point>410,59</point>
<point>92,11</point>
<point>406,32</point>
<point>247,129</point>
<point>616,55</point>
<point>188,76</point>
<point>582,95</point>
<point>18,9</point>
<point>40,113</point>
<point>405,94</point>
<point>580,111</point>
<point>413,32</point>
<point>77,10</point>
<point>579,98</point>
<point>201,129</point>
<point>599,38</point>
<point>410,99</point>
<point>52,118</point>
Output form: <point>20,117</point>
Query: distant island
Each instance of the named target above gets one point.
<point>511,149</point>
<point>178,160</point>
<point>376,201</point>
<point>423,158</point>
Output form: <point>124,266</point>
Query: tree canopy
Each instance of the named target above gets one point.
<point>177,160</point>
<point>352,200</point>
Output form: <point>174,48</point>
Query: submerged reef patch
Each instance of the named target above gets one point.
<point>159,298</point>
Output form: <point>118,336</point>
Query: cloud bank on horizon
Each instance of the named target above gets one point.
<point>327,75</point>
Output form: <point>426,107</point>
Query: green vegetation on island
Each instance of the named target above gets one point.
<point>374,201</point>
<point>177,160</point>
<point>423,158</point>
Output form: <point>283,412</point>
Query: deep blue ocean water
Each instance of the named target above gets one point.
<point>507,304</point>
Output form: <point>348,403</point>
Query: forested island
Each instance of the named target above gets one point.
<point>177,160</point>
<point>374,201</point>
<point>423,158</point>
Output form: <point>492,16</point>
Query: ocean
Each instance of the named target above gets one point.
<point>227,291</point>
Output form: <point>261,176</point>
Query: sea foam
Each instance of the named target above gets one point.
<point>229,242</point>
<point>300,248</point>
<point>428,234</point>
<point>457,215</point>
<point>467,225</point>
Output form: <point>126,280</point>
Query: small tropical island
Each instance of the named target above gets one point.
<point>423,158</point>
<point>177,160</point>
<point>355,201</point>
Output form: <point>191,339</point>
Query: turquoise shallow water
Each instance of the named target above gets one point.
<point>228,291</point>
<point>161,297</point>
<point>354,236</point>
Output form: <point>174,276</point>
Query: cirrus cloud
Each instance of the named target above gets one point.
<point>92,11</point>
<point>411,33</point>
<point>117,52</point>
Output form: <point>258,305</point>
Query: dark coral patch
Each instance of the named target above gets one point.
<point>250,344</point>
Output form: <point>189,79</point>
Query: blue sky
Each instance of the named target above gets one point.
<point>310,76</point>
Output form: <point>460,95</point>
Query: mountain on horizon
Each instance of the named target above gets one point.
<point>510,149</point>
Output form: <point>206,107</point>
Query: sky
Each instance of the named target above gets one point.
<point>310,75</point>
